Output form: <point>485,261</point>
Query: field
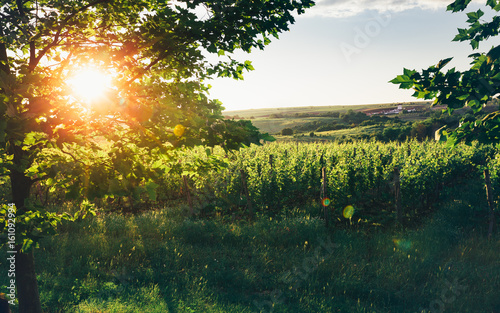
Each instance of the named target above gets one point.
<point>274,120</point>
<point>269,250</point>
<point>383,122</point>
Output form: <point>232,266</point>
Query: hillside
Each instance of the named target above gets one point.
<point>384,122</point>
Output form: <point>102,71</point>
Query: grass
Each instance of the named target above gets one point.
<point>160,262</point>
<point>275,125</point>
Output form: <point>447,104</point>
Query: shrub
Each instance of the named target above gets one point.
<point>287,132</point>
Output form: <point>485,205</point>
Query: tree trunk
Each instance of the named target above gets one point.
<point>27,286</point>
<point>21,186</point>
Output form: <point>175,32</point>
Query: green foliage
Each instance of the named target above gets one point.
<point>287,132</point>
<point>472,88</point>
<point>120,145</point>
<point>359,174</point>
<point>352,117</point>
<point>27,228</point>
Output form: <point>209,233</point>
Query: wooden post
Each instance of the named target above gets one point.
<point>491,204</point>
<point>323,194</point>
<point>245,191</point>
<point>397,195</point>
<point>188,195</point>
<point>271,161</point>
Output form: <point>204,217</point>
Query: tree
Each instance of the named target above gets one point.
<point>472,88</point>
<point>155,56</point>
<point>287,132</point>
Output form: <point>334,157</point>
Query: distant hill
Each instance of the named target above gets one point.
<point>316,110</point>
<point>273,120</point>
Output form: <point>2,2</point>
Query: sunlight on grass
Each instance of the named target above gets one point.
<point>155,262</point>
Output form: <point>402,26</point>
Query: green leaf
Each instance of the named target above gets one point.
<point>249,66</point>
<point>491,3</point>
<point>496,77</point>
<point>474,16</point>
<point>493,54</point>
<point>444,62</point>
<point>458,5</point>
<point>151,190</point>
<point>401,79</point>
<point>27,244</point>
<point>408,73</point>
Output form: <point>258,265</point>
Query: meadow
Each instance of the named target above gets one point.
<point>268,248</point>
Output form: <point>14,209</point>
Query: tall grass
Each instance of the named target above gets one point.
<point>155,262</point>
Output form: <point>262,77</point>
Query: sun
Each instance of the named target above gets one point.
<point>89,85</point>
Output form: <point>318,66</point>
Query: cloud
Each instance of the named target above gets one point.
<point>346,8</point>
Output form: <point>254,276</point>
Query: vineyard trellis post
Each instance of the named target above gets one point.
<point>489,196</point>
<point>245,191</point>
<point>323,194</point>
<point>397,195</point>
<point>188,195</point>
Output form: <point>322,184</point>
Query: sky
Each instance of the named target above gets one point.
<point>344,52</point>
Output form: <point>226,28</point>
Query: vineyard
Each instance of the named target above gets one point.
<point>380,181</point>
<point>247,233</point>
<point>281,178</point>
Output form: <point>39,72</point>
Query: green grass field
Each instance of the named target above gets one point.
<point>162,262</point>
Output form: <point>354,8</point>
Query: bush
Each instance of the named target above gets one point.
<point>287,132</point>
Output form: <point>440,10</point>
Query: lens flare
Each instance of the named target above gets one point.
<point>325,202</point>
<point>402,244</point>
<point>179,130</point>
<point>348,211</point>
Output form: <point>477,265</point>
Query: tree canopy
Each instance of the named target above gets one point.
<point>473,88</point>
<point>155,54</point>
<point>154,58</point>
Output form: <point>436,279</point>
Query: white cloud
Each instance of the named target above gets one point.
<point>346,8</point>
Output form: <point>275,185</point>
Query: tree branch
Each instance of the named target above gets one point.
<point>54,42</point>
<point>72,156</point>
<point>144,70</point>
